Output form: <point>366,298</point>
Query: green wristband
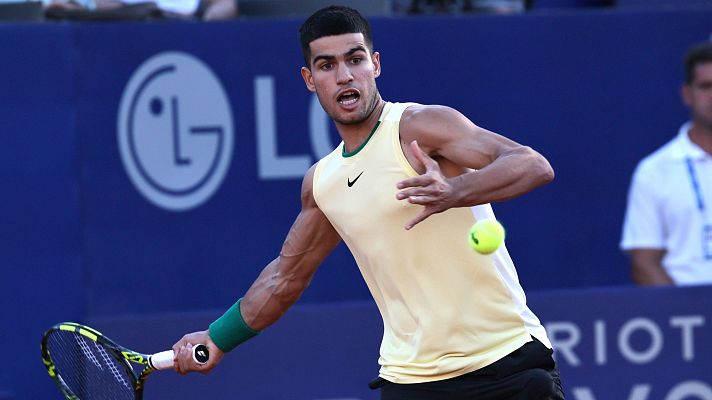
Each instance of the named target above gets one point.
<point>228,331</point>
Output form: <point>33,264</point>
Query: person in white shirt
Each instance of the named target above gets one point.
<point>667,230</point>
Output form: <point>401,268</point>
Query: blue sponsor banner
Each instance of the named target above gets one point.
<point>624,344</point>
<point>634,344</point>
<point>579,88</point>
<point>40,214</point>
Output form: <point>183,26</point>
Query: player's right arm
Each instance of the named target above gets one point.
<point>310,239</point>
<point>279,285</point>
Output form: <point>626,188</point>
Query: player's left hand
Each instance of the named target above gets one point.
<point>432,189</point>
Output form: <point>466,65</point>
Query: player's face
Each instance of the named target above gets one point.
<point>698,95</point>
<point>343,74</point>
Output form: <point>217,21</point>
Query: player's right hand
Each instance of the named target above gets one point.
<point>183,361</point>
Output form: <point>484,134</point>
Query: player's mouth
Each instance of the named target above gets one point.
<point>348,98</point>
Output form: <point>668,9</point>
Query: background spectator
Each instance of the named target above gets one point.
<point>668,225</point>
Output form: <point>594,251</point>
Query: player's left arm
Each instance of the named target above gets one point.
<point>462,164</point>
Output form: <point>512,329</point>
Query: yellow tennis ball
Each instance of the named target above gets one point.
<point>486,236</point>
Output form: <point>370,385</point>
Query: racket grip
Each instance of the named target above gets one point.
<point>164,359</point>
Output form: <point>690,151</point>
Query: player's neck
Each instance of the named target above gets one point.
<point>354,135</point>
<point>701,135</point>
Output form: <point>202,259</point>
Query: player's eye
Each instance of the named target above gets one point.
<point>326,66</point>
<point>356,60</point>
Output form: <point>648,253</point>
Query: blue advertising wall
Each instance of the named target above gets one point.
<point>593,91</point>
<point>40,220</point>
<point>630,343</point>
<point>652,344</point>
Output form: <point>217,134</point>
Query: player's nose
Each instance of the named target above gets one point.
<point>343,74</point>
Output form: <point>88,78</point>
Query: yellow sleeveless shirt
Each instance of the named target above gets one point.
<point>446,309</point>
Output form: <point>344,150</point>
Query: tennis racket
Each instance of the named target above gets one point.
<point>87,365</point>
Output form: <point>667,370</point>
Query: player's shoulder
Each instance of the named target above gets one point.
<point>334,153</point>
<point>308,184</point>
<point>423,113</point>
<point>312,174</point>
<point>429,118</point>
<point>308,178</point>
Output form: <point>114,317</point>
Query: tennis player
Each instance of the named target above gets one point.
<point>402,190</point>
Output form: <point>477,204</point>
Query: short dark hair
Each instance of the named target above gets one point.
<point>699,54</point>
<point>331,21</point>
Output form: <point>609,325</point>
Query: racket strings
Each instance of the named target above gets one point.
<point>87,369</point>
<point>87,352</point>
<point>112,367</point>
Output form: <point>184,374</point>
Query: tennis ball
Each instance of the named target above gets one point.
<point>486,236</point>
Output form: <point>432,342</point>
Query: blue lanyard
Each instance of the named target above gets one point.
<point>695,185</point>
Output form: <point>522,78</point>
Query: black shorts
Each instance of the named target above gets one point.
<point>528,373</point>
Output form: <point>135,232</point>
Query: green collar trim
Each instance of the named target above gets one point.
<point>347,154</point>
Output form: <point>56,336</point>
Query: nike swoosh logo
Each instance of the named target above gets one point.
<point>350,182</point>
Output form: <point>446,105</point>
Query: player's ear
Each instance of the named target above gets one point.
<point>376,60</point>
<point>308,79</point>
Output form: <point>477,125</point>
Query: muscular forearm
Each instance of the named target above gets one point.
<point>276,289</point>
<point>510,175</point>
<point>271,295</point>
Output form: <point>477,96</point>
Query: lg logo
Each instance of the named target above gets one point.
<point>175,131</point>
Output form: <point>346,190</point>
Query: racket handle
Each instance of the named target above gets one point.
<point>164,359</point>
